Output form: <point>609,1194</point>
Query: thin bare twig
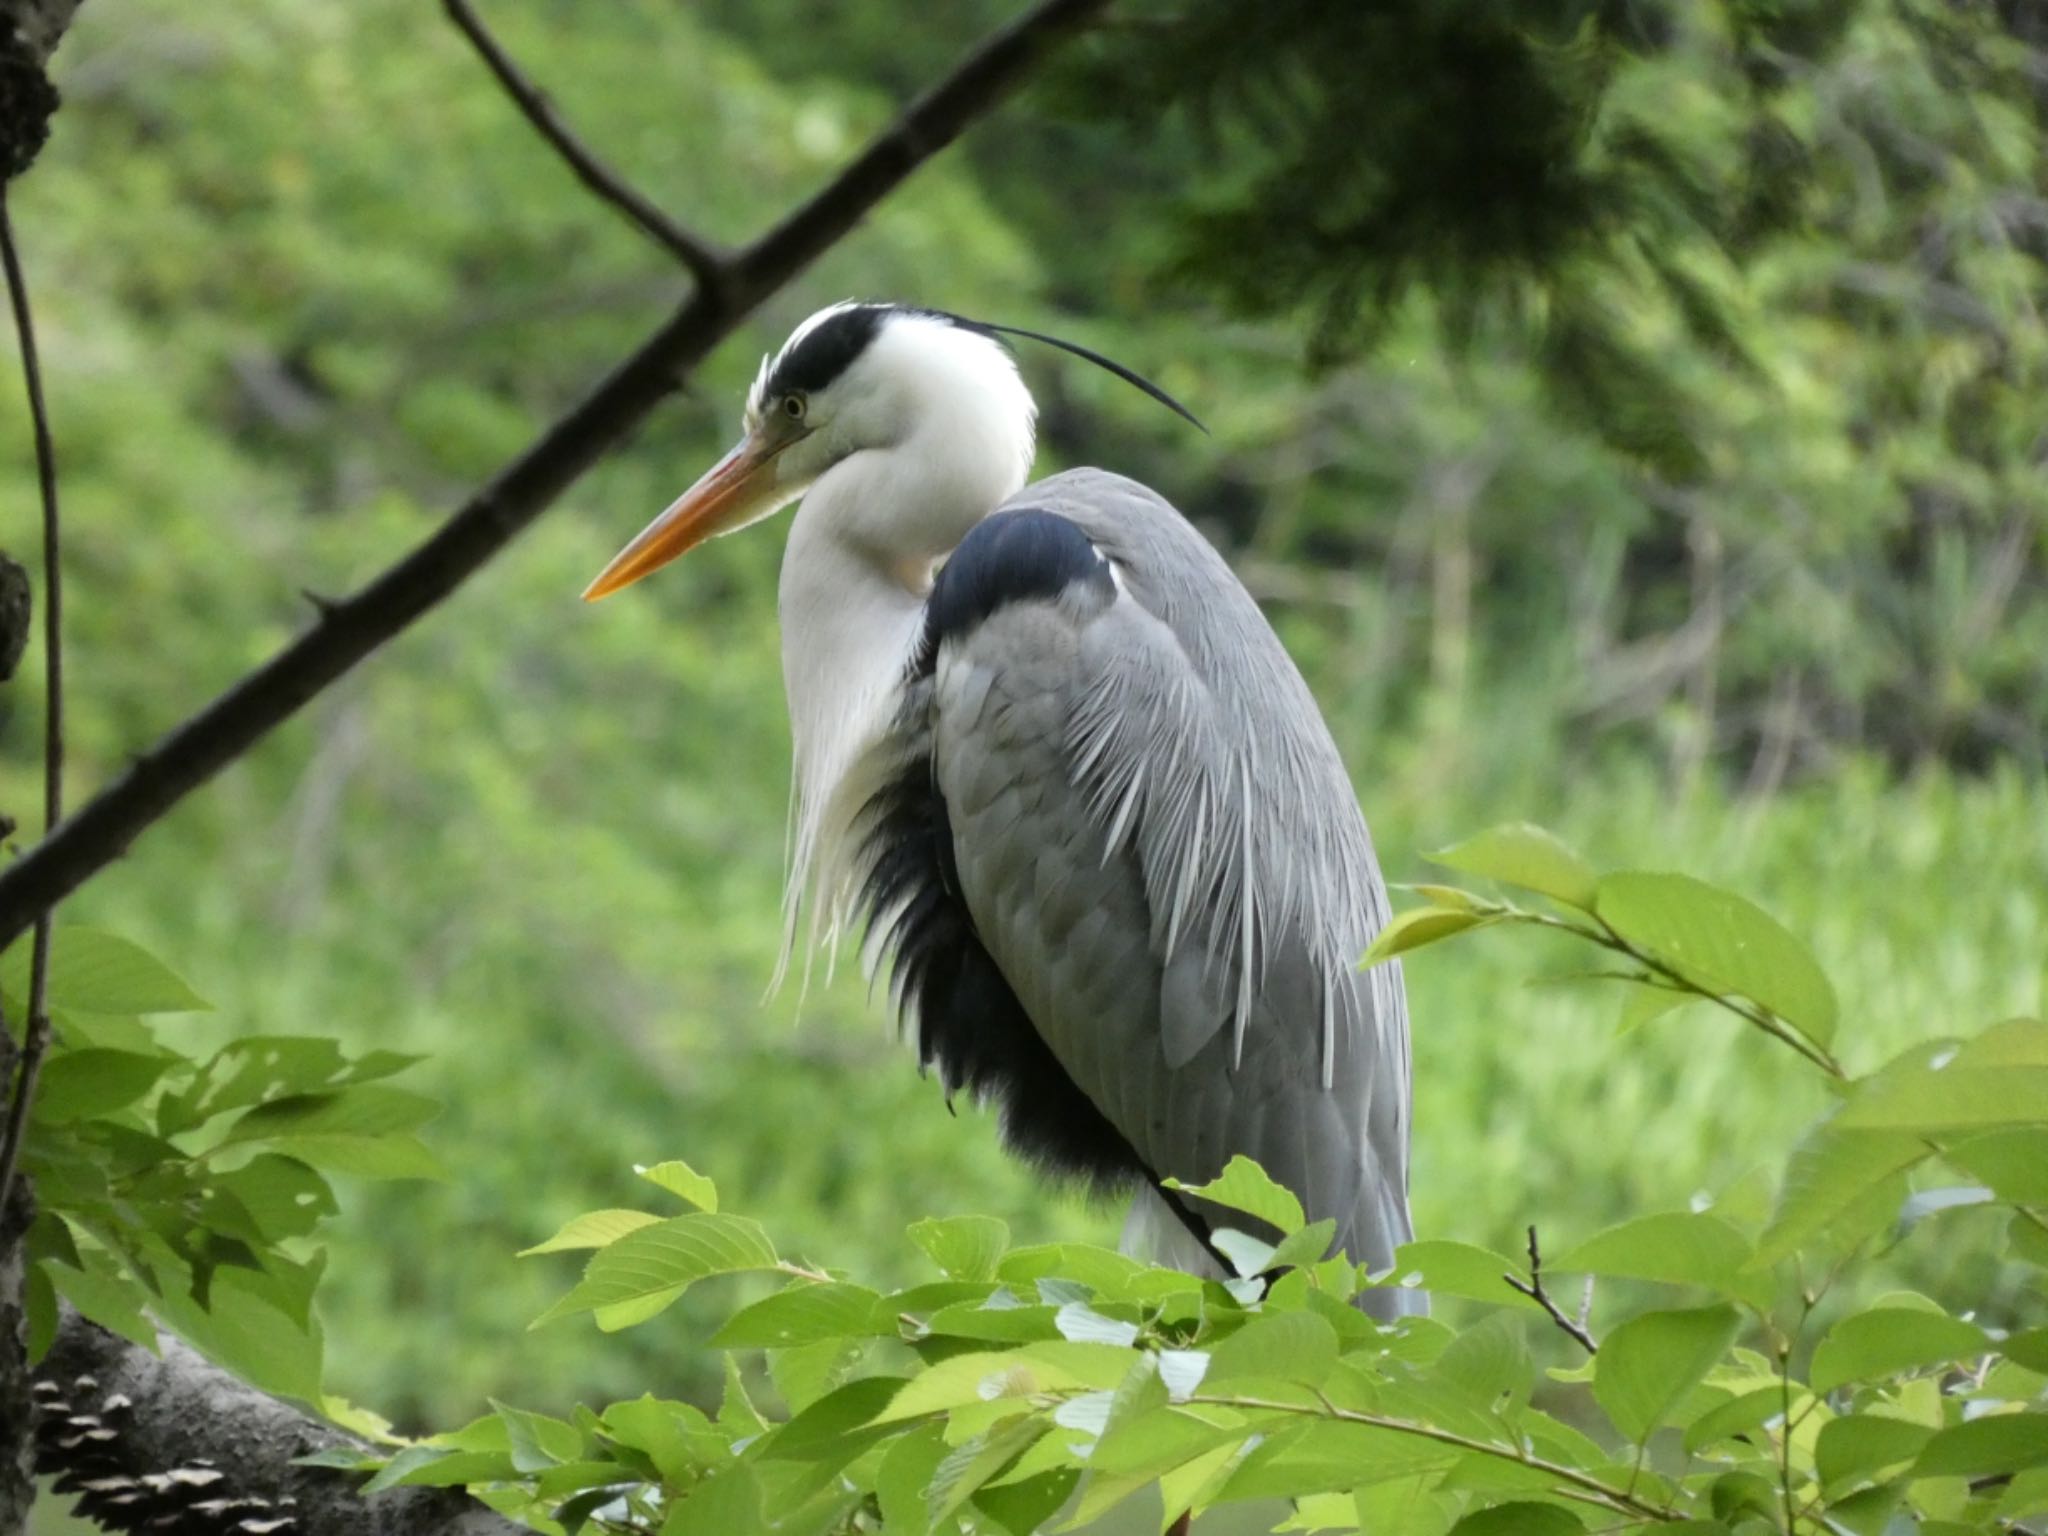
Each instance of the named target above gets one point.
<point>220,732</point>
<point>36,1032</point>
<point>1534,1290</point>
<point>704,262</point>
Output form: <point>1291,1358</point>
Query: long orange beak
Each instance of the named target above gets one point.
<point>731,493</point>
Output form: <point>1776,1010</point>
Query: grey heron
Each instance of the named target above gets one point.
<point>1048,749</point>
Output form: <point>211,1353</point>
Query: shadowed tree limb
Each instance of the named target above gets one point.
<point>262,700</point>
<point>176,1446</point>
<point>702,259</point>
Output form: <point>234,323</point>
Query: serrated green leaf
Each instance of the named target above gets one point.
<point>1888,1341</point>
<point>1721,942</point>
<point>593,1229</point>
<point>682,1181</point>
<point>77,1085</point>
<point>1985,1447</point>
<point>92,971</point>
<point>1245,1186</point>
<point>1675,1247</point>
<point>1284,1346</point>
<point>1445,1268</point>
<point>805,1313</point>
<point>1830,1172</point>
<point>404,1463</point>
<point>1951,1100</point>
<point>1860,1445</point>
<point>2013,1163</point>
<point>964,1247</point>
<point>1528,858</point>
<point>1647,1365</point>
<point>666,1257</point>
<point>1420,926</point>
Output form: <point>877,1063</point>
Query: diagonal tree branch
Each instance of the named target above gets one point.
<point>176,1446</point>
<point>356,625</point>
<point>704,261</point>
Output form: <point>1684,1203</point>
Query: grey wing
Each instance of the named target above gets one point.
<point>1161,852</point>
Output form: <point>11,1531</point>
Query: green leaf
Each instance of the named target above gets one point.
<point>964,1247</point>
<point>1245,1186</point>
<point>728,1503</point>
<point>1308,1246</point>
<point>1445,1268</point>
<point>1888,1341</point>
<point>39,1309</point>
<point>1419,926</point>
<point>805,1313</point>
<point>1675,1247</point>
<point>2014,1163</point>
<point>666,1257</point>
<point>76,1085</point>
<point>682,1181</point>
<point>113,1301</point>
<point>1741,1414</point>
<point>1285,1346</point>
<point>1645,1002</point>
<point>537,1442</point>
<point>839,1413</point>
<point>1719,941</point>
<point>280,1195</point>
<point>1520,1517</point>
<point>246,1331</point>
<point>96,972</point>
<point>904,1477</point>
<point>2028,1349</point>
<point>1987,1446</point>
<point>974,1462</point>
<point>1948,1100</point>
<point>365,1157</point>
<point>366,1109</point>
<point>1861,1445</point>
<point>1528,858</point>
<point>2028,1238</point>
<point>1026,1505</point>
<point>1830,1172</point>
<point>1647,1365</point>
<point>593,1229</point>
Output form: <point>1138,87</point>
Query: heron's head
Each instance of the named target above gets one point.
<point>940,394</point>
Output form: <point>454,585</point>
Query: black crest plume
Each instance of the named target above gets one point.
<point>1109,364</point>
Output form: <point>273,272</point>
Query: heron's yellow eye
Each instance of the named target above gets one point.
<point>793,407</point>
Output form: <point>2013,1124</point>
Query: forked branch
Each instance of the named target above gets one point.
<point>704,261</point>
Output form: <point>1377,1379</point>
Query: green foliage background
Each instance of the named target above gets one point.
<point>1763,601</point>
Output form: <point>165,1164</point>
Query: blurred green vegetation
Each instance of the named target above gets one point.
<point>304,277</point>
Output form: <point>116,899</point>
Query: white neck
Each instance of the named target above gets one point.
<point>862,548</point>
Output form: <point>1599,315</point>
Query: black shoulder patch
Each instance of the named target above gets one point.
<point>1011,557</point>
<point>827,350</point>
